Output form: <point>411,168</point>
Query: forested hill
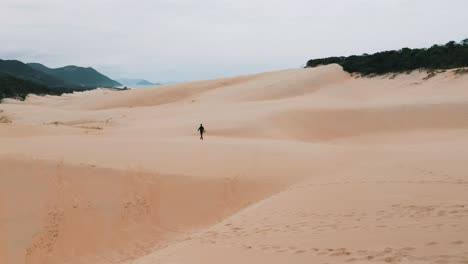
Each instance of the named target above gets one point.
<point>448,56</point>
<point>79,76</point>
<point>13,87</point>
<point>22,71</point>
<point>18,79</point>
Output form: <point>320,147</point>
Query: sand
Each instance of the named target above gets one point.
<point>297,166</point>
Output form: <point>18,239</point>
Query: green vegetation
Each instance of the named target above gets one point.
<point>12,87</point>
<point>78,76</point>
<point>22,71</point>
<point>448,56</point>
<point>17,79</point>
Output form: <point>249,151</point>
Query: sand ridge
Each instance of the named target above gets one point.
<point>297,166</point>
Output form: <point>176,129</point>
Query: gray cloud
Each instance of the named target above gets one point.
<point>188,40</point>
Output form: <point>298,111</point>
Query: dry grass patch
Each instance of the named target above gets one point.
<point>461,71</point>
<point>4,119</point>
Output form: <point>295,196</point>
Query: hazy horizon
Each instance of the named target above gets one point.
<point>184,40</point>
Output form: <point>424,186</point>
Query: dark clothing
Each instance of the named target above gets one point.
<point>202,130</point>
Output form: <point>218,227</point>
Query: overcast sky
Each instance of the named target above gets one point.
<point>181,40</point>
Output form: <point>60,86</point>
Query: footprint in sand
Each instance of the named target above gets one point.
<point>393,259</point>
<point>441,213</point>
<point>340,254</point>
<point>265,247</point>
<point>408,249</point>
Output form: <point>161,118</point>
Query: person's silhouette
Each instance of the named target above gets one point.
<point>202,130</point>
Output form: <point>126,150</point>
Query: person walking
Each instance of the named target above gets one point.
<point>202,130</point>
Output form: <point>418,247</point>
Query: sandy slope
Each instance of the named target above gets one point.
<point>298,166</point>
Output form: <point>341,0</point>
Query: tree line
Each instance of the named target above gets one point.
<point>12,87</point>
<point>448,56</point>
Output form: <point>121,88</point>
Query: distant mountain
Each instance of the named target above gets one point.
<point>18,79</point>
<point>11,87</point>
<point>145,82</point>
<point>17,69</point>
<point>130,82</point>
<point>79,76</point>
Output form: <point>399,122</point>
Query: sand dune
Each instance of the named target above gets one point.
<point>298,166</point>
